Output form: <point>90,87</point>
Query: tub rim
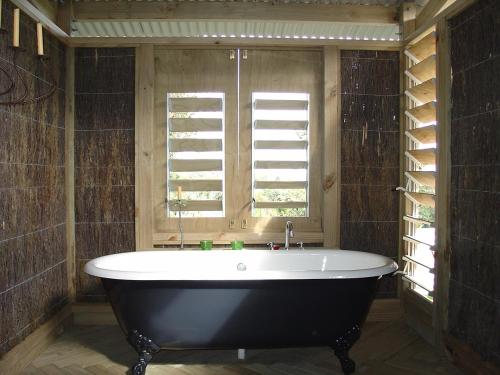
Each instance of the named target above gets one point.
<point>389,266</point>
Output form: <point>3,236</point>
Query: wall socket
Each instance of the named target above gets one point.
<point>244,224</point>
<point>232,223</point>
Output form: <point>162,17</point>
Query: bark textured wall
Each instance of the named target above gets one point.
<point>104,159</point>
<point>370,154</point>
<point>33,277</point>
<point>474,309</point>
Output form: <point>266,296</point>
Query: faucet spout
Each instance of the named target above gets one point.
<point>288,234</point>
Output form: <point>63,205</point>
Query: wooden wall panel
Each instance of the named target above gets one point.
<point>474,298</point>
<point>33,281</point>
<point>370,155</point>
<point>104,159</point>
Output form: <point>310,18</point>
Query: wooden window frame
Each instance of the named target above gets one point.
<point>325,230</point>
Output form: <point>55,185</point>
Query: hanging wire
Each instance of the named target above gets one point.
<point>49,93</point>
<point>11,82</point>
<point>25,88</point>
<point>22,100</point>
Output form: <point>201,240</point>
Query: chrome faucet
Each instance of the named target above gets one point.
<point>288,234</point>
<point>179,203</point>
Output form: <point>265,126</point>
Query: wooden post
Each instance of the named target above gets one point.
<point>331,148</point>
<point>402,164</point>
<point>65,16</point>
<point>443,136</point>
<point>408,14</point>
<point>69,166</point>
<point>144,121</point>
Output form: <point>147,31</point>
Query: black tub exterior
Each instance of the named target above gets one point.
<point>230,314</point>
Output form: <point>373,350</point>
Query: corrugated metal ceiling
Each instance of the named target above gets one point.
<point>235,29</point>
<point>241,28</point>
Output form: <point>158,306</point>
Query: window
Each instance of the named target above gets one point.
<point>231,128</point>
<point>280,154</point>
<point>420,165</point>
<point>196,154</point>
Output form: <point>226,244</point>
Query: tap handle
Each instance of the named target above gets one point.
<point>270,244</point>
<point>300,244</point>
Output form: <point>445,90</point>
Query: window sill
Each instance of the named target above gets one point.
<point>225,238</point>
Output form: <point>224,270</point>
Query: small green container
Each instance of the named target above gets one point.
<point>206,244</point>
<point>237,245</point>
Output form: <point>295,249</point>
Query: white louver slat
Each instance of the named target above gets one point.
<point>420,164</point>
<point>196,153</point>
<point>280,154</point>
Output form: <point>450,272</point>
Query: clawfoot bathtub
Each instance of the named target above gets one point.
<point>241,299</point>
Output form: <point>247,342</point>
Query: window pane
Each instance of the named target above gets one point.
<point>195,154</point>
<point>280,149</point>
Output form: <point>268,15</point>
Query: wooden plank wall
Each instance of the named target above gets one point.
<point>370,155</point>
<point>33,278</point>
<point>474,298</point>
<point>104,159</point>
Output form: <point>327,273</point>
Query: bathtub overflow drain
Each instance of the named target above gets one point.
<point>241,267</point>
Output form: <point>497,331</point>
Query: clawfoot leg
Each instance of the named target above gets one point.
<point>342,346</point>
<point>145,348</point>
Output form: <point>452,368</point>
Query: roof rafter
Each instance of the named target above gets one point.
<point>132,10</point>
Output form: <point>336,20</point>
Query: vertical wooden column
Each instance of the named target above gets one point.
<point>65,15</point>
<point>144,124</point>
<point>69,169</point>
<point>407,16</point>
<point>331,148</point>
<point>443,183</point>
<point>402,147</point>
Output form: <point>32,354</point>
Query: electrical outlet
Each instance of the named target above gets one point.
<point>232,223</point>
<point>244,224</point>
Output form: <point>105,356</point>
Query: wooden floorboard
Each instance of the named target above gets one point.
<point>387,348</point>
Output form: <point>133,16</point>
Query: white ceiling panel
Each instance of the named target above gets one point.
<point>239,29</point>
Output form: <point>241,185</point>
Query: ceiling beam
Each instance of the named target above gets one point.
<point>430,10</point>
<point>445,13</point>
<point>179,42</point>
<point>139,10</point>
<point>49,8</point>
<point>37,12</point>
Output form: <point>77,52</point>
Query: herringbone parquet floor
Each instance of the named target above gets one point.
<point>384,349</point>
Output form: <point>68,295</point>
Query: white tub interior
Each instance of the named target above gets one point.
<point>240,265</point>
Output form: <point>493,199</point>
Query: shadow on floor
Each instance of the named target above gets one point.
<point>111,342</point>
<point>389,348</point>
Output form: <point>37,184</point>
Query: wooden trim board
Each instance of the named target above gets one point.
<point>443,180</point>
<point>14,361</point>
<point>219,42</point>
<point>144,109</point>
<point>331,147</point>
<point>382,310</point>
